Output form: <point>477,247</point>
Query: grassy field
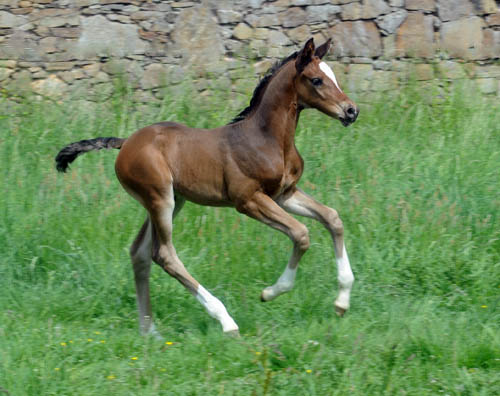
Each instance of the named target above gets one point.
<point>416,183</point>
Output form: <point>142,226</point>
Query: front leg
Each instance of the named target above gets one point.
<point>298,202</point>
<point>261,207</point>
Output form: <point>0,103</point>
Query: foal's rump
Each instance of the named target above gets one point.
<point>170,155</point>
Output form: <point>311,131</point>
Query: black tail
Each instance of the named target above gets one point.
<point>69,153</point>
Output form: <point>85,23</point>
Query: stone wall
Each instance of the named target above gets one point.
<point>75,48</point>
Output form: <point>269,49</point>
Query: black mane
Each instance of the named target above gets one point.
<point>261,87</point>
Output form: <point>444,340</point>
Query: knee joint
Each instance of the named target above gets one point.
<point>301,238</point>
<point>334,222</point>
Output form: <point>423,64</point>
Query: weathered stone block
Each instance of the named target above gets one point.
<point>352,12</point>
<point>421,5</point>
<point>40,14</point>
<point>463,38</point>
<point>356,39</point>
<point>292,17</point>
<point>101,37</point>
<point>229,16</point>
<point>100,77</point>
<point>19,83</point>
<point>450,10</point>
<point>491,44</point>
<point>415,37</point>
<point>155,75</point>
<point>255,3</point>
<point>344,1</point>
<point>5,73</point>
<point>183,4</point>
<point>48,45</point>
<point>65,32</point>
<point>360,77</point>
<point>263,66</point>
<point>115,66</point>
<point>58,21</point>
<point>92,69</point>
<point>8,20</point>
<point>54,66</point>
<point>261,33</point>
<point>451,70</point>
<point>494,19</point>
<point>9,64</point>
<point>278,39</point>
<point>51,87</point>
<point>488,71</point>
<point>383,81</point>
<point>484,7</point>
<point>424,71</point>
<point>487,86</point>
<point>70,76</point>
<point>119,18</point>
<point>389,46</point>
<point>9,3</point>
<point>320,13</point>
<point>242,31</point>
<point>300,34</point>
<point>21,46</point>
<point>374,8</point>
<point>197,38</point>
<point>265,20</point>
<point>390,22</point>
<point>382,65</point>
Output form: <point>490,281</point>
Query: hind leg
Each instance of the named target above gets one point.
<point>140,253</point>
<point>162,210</point>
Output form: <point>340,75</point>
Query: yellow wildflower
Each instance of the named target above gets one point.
<point>63,344</point>
<point>309,371</point>
<point>111,377</point>
<point>134,358</point>
<point>169,343</point>
<point>484,306</point>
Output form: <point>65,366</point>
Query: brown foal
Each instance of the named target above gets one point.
<point>251,164</point>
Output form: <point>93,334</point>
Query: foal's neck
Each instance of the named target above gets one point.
<point>278,111</point>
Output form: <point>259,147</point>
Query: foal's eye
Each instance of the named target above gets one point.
<point>316,82</point>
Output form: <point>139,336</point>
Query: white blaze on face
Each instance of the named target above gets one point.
<point>329,73</point>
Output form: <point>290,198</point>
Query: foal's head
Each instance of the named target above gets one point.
<point>317,86</point>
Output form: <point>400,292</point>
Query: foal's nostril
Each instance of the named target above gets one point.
<point>351,112</point>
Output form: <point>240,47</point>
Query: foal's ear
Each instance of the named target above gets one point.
<point>305,56</point>
<point>322,50</point>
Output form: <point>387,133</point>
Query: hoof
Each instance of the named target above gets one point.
<point>267,294</point>
<point>340,311</point>
<point>233,333</point>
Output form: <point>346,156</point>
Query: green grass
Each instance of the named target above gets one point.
<point>417,185</point>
